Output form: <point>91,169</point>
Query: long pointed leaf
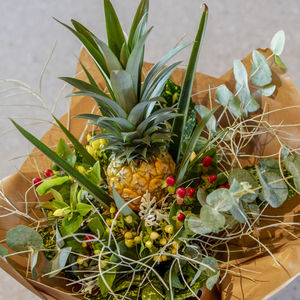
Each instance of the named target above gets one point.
<point>84,31</point>
<point>112,61</point>
<point>115,35</point>
<point>97,192</point>
<point>191,146</point>
<point>122,85</point>
<point>77,145</point>
<point>137,113</point>
<point>141,11</point>
<point>95,52</point>
<point>156,68</point>
<point>82,85</point>
<point>156,87</point>
<point>135,58</point>
<point>185,95</point>
<point>105,101</point>
<point>88,75</point>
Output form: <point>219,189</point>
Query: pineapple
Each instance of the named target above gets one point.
<point>133,120</point>
<point>133,180</point>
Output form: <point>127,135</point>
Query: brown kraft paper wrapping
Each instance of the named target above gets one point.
<point>254,274</point>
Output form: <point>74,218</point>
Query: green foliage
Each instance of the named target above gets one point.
<point>65,152</point>
<point>191,147</point>
<point>211,218</point>
<point>71,223</point>
<point>97,192</point>
<point>280,63</point>
<point>48,185</point>
<point>122,206</point>
<point>195,225</point>
<point>242,87</point>
<point>277,43</point>
<point>203,111</point>
<point>115,35</point>
<point>3,251</point>
<point>22,238</point>
<point>56,265</point>
<point>292,163</point>
<point>105,282</point>
<point>267,90</point>
<point>77,145</point>
<point>184,99</point>
<point>261,74</point>
<point>275,190</point>
<point>227,99</point>
<point>220,200</point>
<point>242,175</point>
<point>149,293</point>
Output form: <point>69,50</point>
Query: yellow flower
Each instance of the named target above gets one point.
<point>154,235</point>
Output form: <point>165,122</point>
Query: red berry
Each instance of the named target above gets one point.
<point>170,181</point>
<point>191,192</point>
<point>37,181</point>
<point>221,187</point>
<point>181,192</point>
<point>48,173</point>
<point>180,217</point>
<point>227,185</point>
<point>207,161</point>
<point>212,178</point>
<point>88,237</point>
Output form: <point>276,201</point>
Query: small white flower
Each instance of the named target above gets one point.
<point>150,213</point>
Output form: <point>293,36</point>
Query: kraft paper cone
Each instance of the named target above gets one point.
<point>254,275</point>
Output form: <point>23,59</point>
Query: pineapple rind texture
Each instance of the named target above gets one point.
<point>133,180</point>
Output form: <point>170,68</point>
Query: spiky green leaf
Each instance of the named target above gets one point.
<point>184,99</point>
<point>97,192</point>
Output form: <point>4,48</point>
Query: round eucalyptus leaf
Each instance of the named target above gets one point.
<point>238,213</point>
<point>292,163</point>
<point>211,218</point>
<point>242,175</point>
<point>240,73</point>
<point>212,262</point>
<point>220,200</point>
<point>261,74</point>
<point>201,196</point>
<point>212,280</point>
<point>3,251</point>
<point>274,193</point>
<point>267,90</point>
<point>277,42</point>
<point>226,98</point>
<point>254,211</point>
<point>23,238</point>
<point>248,102</point>
<point>270,164</point>
<point>194,224</point>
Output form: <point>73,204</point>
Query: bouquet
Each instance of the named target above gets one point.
<point>165,192</point>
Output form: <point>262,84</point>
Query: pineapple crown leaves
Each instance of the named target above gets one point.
<point>127,111</point>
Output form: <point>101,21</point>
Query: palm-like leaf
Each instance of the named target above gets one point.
<point>142,11</point>
<point>96,191</point>
<point>115,35</point>
<point>185,95</point>
<point>77,145</point>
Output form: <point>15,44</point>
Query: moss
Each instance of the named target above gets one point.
<point>49,241</point>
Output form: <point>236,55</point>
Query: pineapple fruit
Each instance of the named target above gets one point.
<point>133,180</point>
<point>134,119</point>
